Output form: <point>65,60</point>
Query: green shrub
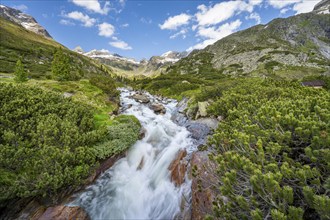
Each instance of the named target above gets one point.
<point>45,142</point>
<point>107,85</point>
<point>272,151</point>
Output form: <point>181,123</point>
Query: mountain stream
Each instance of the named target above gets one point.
<point>139,185</point>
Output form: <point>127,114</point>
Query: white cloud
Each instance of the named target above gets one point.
<point>281,3</point>
<point>125,25</point>
<point>304,6</point>
<point>284,10</point>
<point>121,45</point>
<point>299,6</point>
<point>93,5</point>
<point>106,29</point>
<point>85,19</point>
<point>182,33</point>
<point>21,7</point>
<point>66,22</point>
<point>254,16</point>
<point>220,32</point>
<point>214,34</point>
<point>255,2</point>
<point>221,12</point>
<point>172,23</point>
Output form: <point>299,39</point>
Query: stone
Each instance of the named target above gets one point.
<point>178,168</point>
<point>158,108</point>
<point>64,212</point>
<point>141,98</point>
<point>202,108</point>
<point>142,133</point>
<point>212,123</point>
<point>203,179</point>
<point>198,131</point>
<point>67,94</point>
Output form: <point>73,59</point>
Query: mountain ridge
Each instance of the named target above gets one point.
<point>294,44</point>
<point>25,20</point>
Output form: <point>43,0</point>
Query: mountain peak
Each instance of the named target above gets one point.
<point>25,20</point>
<point>323,7</point>
<point>78,49</point>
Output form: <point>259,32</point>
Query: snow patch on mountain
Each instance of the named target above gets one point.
<point>25,20</point>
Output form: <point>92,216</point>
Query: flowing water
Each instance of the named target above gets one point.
<point>131,191</point>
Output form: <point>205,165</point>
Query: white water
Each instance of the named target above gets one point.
<point>126,192</point>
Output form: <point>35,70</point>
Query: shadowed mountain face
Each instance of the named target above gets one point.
<point>285,46</point>
<point>23,19</point>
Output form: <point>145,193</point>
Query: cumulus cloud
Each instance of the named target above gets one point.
<point>254,16</point>
<point>284,10</point>
<point>214,34</point>
<point>255,2</point>
<point>299,6</point>
<point>281,3</point>
<point>172,23</point>
<point>304,6</point>
<point>85,19</point>
<point>93,5</point>
<point>120,45</point>
<point>106,29</point>
<point>21,7</point>
<point>66,22</point>
<point>221,12</point>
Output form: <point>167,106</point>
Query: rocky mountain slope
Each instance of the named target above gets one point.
<point>131,67</point>
<point>37,51</point>
<point>285,47</point>
<point>23,19</point>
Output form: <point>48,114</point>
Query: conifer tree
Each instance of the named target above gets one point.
<point>61,66</point>
<point>20,73</point>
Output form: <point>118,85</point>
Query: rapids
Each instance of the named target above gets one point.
<point>131,191</point>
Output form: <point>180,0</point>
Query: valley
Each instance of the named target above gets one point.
<point>237,130</point>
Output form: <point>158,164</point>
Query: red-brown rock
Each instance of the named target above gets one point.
<point>64,213</point>
<point>178,168</point>
<point>203,180</point>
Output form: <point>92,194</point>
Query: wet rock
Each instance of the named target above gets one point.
<point>64,212</point>
<point>142,98</point>
<point>209,122</point>
<point>106,164</point>
<point>182,105</point>
<point>158,108</point>
<point>203,181</point>
<point>198,131</point>
<point>178,168</point>
<point>142,133</point>
<point>141,164</point>
<point>179,118</point>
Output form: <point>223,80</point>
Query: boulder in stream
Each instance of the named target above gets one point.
<point>158,108</point>
<point>142,98</point>
<point>178,168</point>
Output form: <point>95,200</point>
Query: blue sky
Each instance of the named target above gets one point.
<point>141,29</point>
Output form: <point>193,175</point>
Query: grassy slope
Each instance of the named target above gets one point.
<point>265,50</point>
<point>37,52</point>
